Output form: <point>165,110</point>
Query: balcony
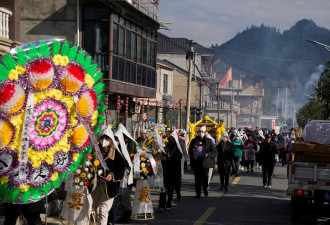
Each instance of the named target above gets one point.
<point>148,7</point>
<point>4,22</point>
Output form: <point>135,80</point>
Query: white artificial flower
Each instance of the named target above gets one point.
<point>78,171</point>
<point>81,183</point>
<point>99,172</point>
<point>86,169</point>
<point>143,165</point>
<point>76,180</point>
<point>88,163</point>
<point>77,187</point>
<point>89,176</point>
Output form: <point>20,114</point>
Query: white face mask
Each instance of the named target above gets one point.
<point>105,143</point>
<point>225,139</point>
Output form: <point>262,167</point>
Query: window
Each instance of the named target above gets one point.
<point>121,41</point>
<point>114,68</point>
<point>144,76</point>
<point>127,71</point>
<point>128,44</point>
<point>139,48</point>
<point>121,69</point>
<point>138,76</point>
<point>165,84</point>
<point>145,52</point>
<point>133,46</point>
<point>133,73</point>
<point>115,39</point>
<point>153,79</point>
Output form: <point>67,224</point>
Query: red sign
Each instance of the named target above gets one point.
<point>273,124</point>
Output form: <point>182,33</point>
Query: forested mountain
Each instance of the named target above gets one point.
<point>285,58</point>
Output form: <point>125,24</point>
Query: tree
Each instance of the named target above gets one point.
<point>313,110</point>
<point>323,89</point>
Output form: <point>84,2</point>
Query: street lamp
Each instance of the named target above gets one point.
<point>327,47</point>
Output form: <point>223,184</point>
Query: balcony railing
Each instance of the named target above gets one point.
<point>4,22</point>
<point>149,7</point>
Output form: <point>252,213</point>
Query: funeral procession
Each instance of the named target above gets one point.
<point>163,112</point>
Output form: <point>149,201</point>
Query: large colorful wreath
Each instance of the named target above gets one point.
<point>50,102</point>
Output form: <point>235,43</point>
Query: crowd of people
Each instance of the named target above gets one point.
<point>237,151</point>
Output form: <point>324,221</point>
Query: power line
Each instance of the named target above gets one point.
<point>268,58</point>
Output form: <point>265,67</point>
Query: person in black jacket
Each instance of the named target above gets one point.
<point>202,153</point>
<point>267,159</point>
<point>226,155</point>
<point>108,182</point>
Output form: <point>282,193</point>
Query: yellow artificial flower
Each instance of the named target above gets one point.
<point>13,75</point>
<point>24,187</point>
<point>20,69</point>
<point>150,138</point>
<point>144,169</point>
<point>159,132</point>
<point>75,156</point>
<point>89,81</point>
<point>4,180</point>
<point>96,162</point>
<point>94,117</point>
<point>165,125</point>
<point>54,176</point>
<point>143,159</point>
<point>155,152</point>
<point>144,148</point>
<point>83,175</point>
<point>60,60</point>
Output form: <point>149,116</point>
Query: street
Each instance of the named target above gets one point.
<point>246,202</point>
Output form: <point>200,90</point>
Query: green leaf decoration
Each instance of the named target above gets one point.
<point>4,191</point>
<point>98,76</point>
<point>72,53</point>
<point>44,49</point>
<point>100,119</point>
<point>92,70</point>
<point>65,175</point>
<point>99,88</point>
<point>36,193</point>
<point>33,52</point>
<point>100,98</point>
<point>87,62</point>
<point>81,58</point>
<point>89,149</point>
<point>65,49</point>
<point>56,183</point>
<point>26,195</point>
<point>56,47</point>
<point>97,129</point>
<point>13,195</point>
<point>9,62</point>
<point>21,56</point>
<point>73,167</point>
<point>46,188</point>
<point>101,108</point>
<point>3,72</point>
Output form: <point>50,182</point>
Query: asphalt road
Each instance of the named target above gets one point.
<point>246,202</point>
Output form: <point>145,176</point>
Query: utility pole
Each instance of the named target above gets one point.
<point>190,57</point>
<point>218,99</point>
<point>286,104</point>
<point>278,100</point>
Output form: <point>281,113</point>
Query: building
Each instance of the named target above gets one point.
<point>174,51</point>
<point>9,25</point>
<point>121,35</point>
<point>241,98</point>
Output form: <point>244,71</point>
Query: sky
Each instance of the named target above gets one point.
<point>217,21</point>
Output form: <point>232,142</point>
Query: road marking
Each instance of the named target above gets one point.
<point>235,181</point>
<point>201,220</point>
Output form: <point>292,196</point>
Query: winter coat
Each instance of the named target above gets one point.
<point>226,154</point>
<point>209,161</point>
<point>238,147</point>
<point>267,153</point>
<point>171,163</point>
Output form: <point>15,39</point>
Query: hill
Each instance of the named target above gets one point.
<point>285,58</point>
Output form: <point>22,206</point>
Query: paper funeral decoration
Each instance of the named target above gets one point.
<point>50,102</point>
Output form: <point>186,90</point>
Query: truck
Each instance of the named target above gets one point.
<point>309,170</point>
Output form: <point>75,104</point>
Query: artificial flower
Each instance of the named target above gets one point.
<point>60,60</point>
<point>132,155</point>
<point>83,175</point>
<point>144,169</point>
<point>143,159</point>
<point>144,148</point>
<point>96,162</point>
<point>13,74</point>
<point>88,163</point>
<point>4,180</point>
<point>143,165</point>
<point>99,172</point>
<point>87,182</point>
<point>24,187</point>
<point>89,81</point>
<point>75,156</point>
<point>54,176</point>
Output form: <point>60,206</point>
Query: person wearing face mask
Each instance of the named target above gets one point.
<point>202,153</point>
<point>143,138</point>
<point>108,182</point>
<point>183,143</point>
<point>250,146</point>
<point>238,147</point>
<point>225,160</point>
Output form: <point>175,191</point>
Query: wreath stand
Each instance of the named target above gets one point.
<point>142,205</point>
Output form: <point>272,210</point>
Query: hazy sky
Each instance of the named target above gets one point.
<point>217,21</point>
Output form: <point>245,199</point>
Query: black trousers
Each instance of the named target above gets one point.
<point>31,212</point>
<point>267,174</point>
<point>201,179</point>
<point>248,163</point>
<point>224,171</point>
